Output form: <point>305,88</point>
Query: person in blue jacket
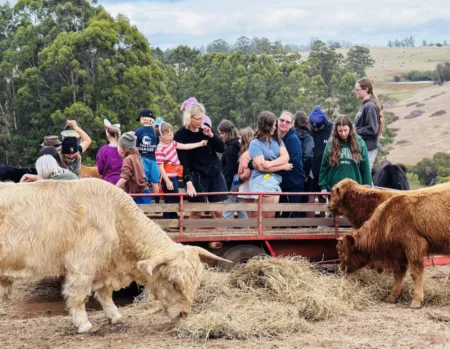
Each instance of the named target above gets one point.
<point>293,180</point>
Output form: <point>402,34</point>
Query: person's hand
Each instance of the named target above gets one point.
<point>190,189</point>
<point>207,131</point>
<point>324,191</point>
<point>72,123</point>
<point>26,178</point>
<point>287,167</point>
<point>237,180</point>
<point>204,143</point>
<point>267,164</point>
<point>169,185</point>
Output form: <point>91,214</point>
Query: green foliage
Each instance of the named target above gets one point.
<point>430,171</point>
<point>63,60</point>
<point>358,60</point>
<point>71,60</point>
<point>416,75</point>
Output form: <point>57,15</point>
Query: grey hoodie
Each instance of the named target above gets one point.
<point>366,124</point>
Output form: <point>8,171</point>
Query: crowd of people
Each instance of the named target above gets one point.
<point>291,153</point>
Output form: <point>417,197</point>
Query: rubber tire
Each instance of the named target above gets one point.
<point>240,254</point>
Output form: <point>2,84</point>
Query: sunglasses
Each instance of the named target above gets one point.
<point>283,121</point>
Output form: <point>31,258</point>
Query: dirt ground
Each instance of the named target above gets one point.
<point>39,320</point>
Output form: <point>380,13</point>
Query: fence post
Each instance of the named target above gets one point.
<point>260,230</point>
<point>181,214</point>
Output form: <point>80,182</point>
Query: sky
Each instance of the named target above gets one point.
<point>169,23</point>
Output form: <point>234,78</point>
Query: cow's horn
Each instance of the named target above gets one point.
<point>204,253</point>
<point>340,238</point>
<point>150,264</point>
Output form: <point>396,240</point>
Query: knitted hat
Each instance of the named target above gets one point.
<point>51,141</point>
<point>69,145</point>
<point>128,140</point>
<point>147,113</point>
<point>317,118</point>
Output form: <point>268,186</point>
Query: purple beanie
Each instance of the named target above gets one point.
<point>207,120</point>
<point>317,118</point>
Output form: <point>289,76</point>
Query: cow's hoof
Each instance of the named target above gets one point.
<point>391,299</point>
<point>415,305</point>
<point>117,320</point>
<point>84,328</point>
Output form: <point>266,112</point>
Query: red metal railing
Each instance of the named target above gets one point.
<point>259,202</point>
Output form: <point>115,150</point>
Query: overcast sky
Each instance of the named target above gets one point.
<point>169,23</point>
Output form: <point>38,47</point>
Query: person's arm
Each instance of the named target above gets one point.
<point>26,178</point>
<point>191,146</point>
<point>324,169</point>
<point>364,165</point>
<point>216,142</point>
<point>100,161</point>
<point>165,177</point>
<point>183,157</point>
<point>368,125</point>
<point>308,155</point>
<point>121,183</point>
<point>286,167</point>
<point>281,160</point>
<point>85,139</point>
<point>126,173</point>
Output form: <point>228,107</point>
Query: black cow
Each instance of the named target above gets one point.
<point>12,174</point>
<point>390,176</point>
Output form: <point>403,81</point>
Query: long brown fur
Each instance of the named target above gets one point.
<point>89,172</point>
<point>401,233</point>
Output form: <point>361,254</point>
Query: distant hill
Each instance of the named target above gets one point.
<point>423,128</point>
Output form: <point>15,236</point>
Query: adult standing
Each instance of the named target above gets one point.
<point>269,156</point>
<point>202,169</point>
<point>230,163</point>
<point>321,132</point>
<point>369,119</point>
<point>303,130</point>
<point>345,156</point>
<point>293,180</point>
<point>71,151</point>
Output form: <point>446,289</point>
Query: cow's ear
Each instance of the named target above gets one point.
<point>349,240</point>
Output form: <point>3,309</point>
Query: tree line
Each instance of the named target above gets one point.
<point>62,60</point>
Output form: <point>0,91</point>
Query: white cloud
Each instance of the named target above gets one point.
<point>199,22</point>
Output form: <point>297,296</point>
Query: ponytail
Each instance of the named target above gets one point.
<point>380,114</point>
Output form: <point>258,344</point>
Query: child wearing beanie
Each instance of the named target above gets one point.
<point>132,177</point>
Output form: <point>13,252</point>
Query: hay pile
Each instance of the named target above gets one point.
<point>268,298</point>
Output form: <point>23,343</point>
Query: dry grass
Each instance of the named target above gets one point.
<point>276,298</point>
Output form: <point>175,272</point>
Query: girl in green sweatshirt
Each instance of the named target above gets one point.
<point>345,156</point>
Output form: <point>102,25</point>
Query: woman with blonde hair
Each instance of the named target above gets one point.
<point>202,169</point>
<point>345,156</point>
<point>369,119</point>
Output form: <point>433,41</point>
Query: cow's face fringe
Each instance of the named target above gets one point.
<point>352,259</point>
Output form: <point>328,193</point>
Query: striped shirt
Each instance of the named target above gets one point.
<point>167,154</point>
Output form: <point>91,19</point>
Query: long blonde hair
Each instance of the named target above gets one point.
<point>366,84</point>
<point>352,140</point>
<point>47,167</point>
<point>246,135</point>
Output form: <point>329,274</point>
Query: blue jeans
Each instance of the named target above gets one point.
<point>143,199</point>
<point>234,199</point>
<point>171,199</point>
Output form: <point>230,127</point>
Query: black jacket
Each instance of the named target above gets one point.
<point>367,125</point>
<point>307,149</point>
<point>230,160</point>
<point>203,160</point>
<point>320,142</point>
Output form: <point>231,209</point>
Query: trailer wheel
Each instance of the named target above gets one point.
<point>240,254</point>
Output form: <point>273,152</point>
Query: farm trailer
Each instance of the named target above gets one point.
<point>240,239</point>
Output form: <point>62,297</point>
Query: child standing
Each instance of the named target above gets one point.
<point>132,178</point>
<point>168,164</point>
<point>109,162</point>
<point>147,142</point>
<point>345,156</point>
